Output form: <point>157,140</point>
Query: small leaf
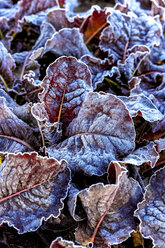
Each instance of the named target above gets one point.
<point>93,24</point>
<point>32,188</point>
<point>97,136</point>
<point>58,18</point>
<point>151,211</point>
<point>61,243</point>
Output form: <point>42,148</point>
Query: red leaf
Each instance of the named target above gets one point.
<point>93,24</point>
<point>65,88</point>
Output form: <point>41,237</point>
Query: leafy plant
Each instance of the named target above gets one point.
<point>82,113</point>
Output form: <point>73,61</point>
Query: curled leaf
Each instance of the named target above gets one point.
<point>93,24</point>
<point>116,203</point>
<point>30,191</point>
<point>121,34</point>
<point>142,106</point>
<point>151,210</point>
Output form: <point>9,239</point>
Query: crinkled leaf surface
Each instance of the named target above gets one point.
<point>27,7</point>
<point>97,135</point>
<point>13,128</point>
<point>151,211</point>
<point>61,243</point>
<point>31,188</point>
<point>125,31</point>
<point>7,64</point>
<point>119,202</point>
<point>68,42</point>
<point>142,106</point>
<point>65,88</point>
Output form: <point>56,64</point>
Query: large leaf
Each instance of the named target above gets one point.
<point>65,88</point>
<point>115,205</point>
<point>13,128</point>
<point>151,211</point>
<point>97,135</point>
<point>31,189</point>
<point>125,31</point>
<point>68,42</point>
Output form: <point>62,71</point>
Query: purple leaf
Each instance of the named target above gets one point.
<point>145,154</point>
<point>140,105</point>
<point>97,136</point>
<point>68,42</point>
<point>124,32</point>
<point>118,202</point>
<point>59,19</point>
<point>32,188</point>
<point>98,68</point>
<point>151,211</point>
<point>65,88</point>
<point>27,7</point>
<point>13,128</point>
<point>7,65</point>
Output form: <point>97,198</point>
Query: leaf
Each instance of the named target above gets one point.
<point>58,18</point>
<point>65,88</point>
<point>151,210</point>
<point>7,65</point>
<point>125,32</point>
<point>140,105</point>
<point>13,128</point>
<point>32,188</point>
<point>152,86</point>
<point>93,24</point>
<point>98,68</point>
<point>145,154</point>
<point>97,136</point>
<point>46,32</point>
<point>68,42</point>
<point>117,204</point>
<point>61,243</point>
<point>33,7</point>
<point>131,64</point>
